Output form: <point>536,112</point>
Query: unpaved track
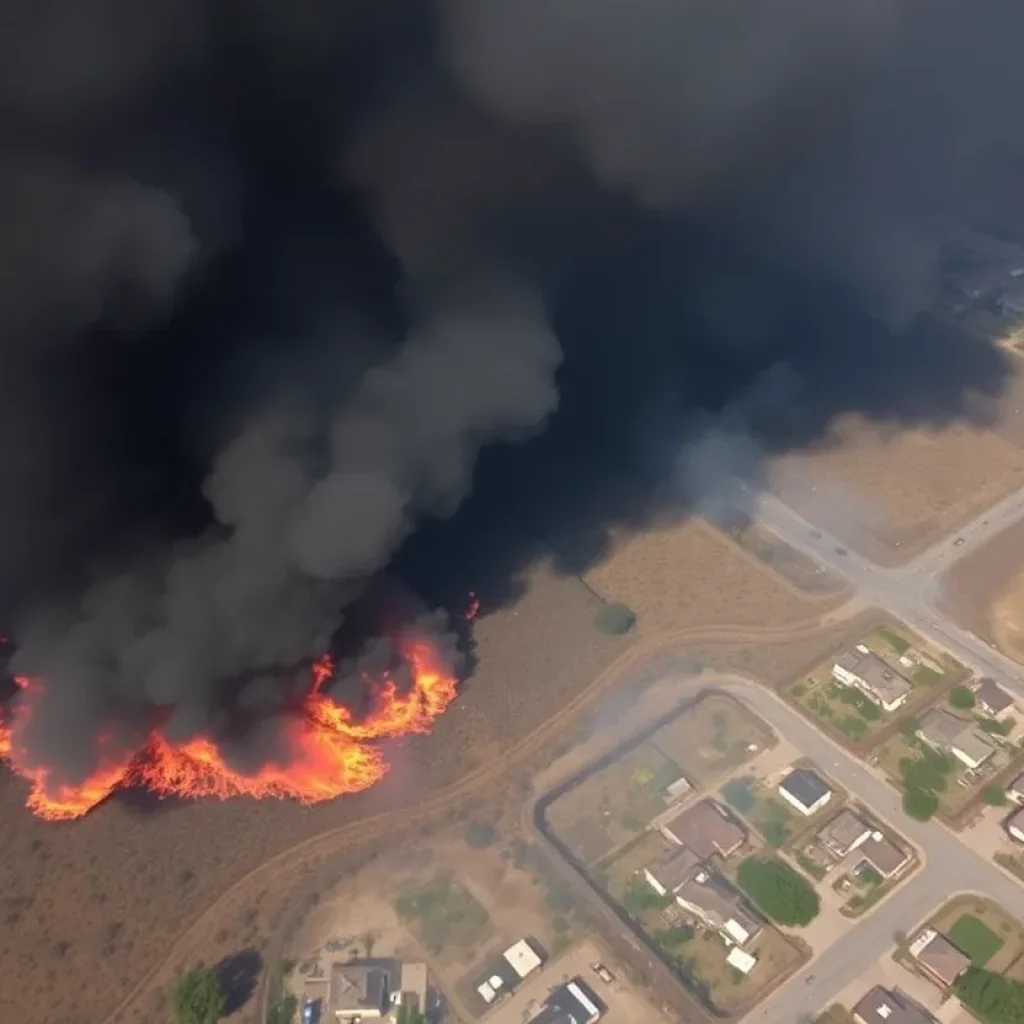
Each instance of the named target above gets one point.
<point>371,828</point>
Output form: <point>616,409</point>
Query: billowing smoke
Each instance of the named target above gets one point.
<point>273,276</point>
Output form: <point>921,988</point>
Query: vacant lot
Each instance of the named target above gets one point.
<point>689,573</point>
<point>890,493</point>
<point>614,804</point>
<point>986,933</point>
<point>442,914</point>
<point>712,738</point>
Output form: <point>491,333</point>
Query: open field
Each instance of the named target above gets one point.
<point>891,493</point>
<point>982,930</point>
<point>122,901</point>
<point>985,593</point>
<point>690,572</point>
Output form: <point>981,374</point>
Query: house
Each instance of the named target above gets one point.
<point>362,990</point>
<point>711,900</point>
<point>504,973</point>
<point>743,962</point>
<point>991,698</point>
<point>674,866</point>
<point>1015,825</point>
<point>945,732</point>
<point>882,1006</point>
<point>572,1002</point>
<point>1015,790</point>
<point>805,790</point>
<point>885,857</point>
<point>939,958</point>
<point>706,829</point>
<point>876,679</point>
<point>844,833</point>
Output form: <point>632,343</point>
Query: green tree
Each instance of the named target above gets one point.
<point>408,1013</point>
<point>920,804</point>
<point>991,997</point>
<point>640,896</point>
<point>995,796</point>
<point>615,619</point>
<point>778,891</point>
<point>199,997</point>
<point>961,697</point>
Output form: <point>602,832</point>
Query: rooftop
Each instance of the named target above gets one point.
<point>805,786</point>
<point>936,953</point>
<point>992,697</point>
<point>723,908</point>
<point>674,865</point>
<point>361,985</point>
<point>881,1006</point>
<point>944,729</point>
<point>885,857</point>
<point>706,829</point>
<point>877,675</point>
<point>572,1002</point>
<point>845,829</point>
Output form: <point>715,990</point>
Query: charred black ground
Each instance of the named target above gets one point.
<point>294,293</point>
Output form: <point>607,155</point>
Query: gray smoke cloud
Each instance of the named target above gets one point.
<point>834,137</point>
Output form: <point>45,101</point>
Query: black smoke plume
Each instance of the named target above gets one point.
<point>273,277</point>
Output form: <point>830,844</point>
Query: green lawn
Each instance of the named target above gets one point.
<point>975,938</point>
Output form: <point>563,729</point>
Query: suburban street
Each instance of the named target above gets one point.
<point>950,867</point>
<point>909,593</point>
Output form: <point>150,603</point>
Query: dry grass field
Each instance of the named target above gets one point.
<point>688,574</point>
<point>92,907</point>
<point>891,493</point>
<point>985,593</point>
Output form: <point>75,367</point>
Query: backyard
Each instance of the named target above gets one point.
<point>762,808</point>
<point>990,936</point>
<point>613,805</point>
<point>443,914</point>
<point>712,738</point>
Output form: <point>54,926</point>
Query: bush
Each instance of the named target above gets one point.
<point>615,619</point>
<point>199,997</point>
<point>740,793</point>
<point>640,896</point>
<point>961,697</point>
<point>995,796</point>
<point>920,804</point>
<point>778,891</point>
<point>481,834</point>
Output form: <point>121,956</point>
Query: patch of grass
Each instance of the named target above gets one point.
<point>995,728</point>
<point>975,938</point>
<point>900,644</point>
<point>812,867</point>
<point>481,834</point>
<point>925,676</point>
<point>741,793</point>
<point>443,913</point>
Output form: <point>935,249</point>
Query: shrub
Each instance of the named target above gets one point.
<point>199,997</point>
<point>995,796</point>
<point>991,997</point>
<point>481,834</point>
<point>961,697</point>
<point>778,891</point>
<point>640,896</point>
<point>920,804</point>
<point>615,619</point>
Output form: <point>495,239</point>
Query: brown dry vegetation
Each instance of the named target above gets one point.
<point>890,494</point>
<point>985,592</point>
<point>688,574</point>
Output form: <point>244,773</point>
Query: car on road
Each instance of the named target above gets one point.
<point>958,542</point>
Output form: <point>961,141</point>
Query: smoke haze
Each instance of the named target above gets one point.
<point>275,278</point>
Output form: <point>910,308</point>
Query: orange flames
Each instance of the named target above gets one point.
<point>329,752</point>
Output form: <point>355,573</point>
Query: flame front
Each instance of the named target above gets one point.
<point>330,753</point>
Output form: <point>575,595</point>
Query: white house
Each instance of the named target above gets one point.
<point>867,672</point>
<point>805,791</point>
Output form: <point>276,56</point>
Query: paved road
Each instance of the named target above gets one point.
<point>950,866</point>
<point>908,592</point>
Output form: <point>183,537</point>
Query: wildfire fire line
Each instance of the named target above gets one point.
<point>331,753</point>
